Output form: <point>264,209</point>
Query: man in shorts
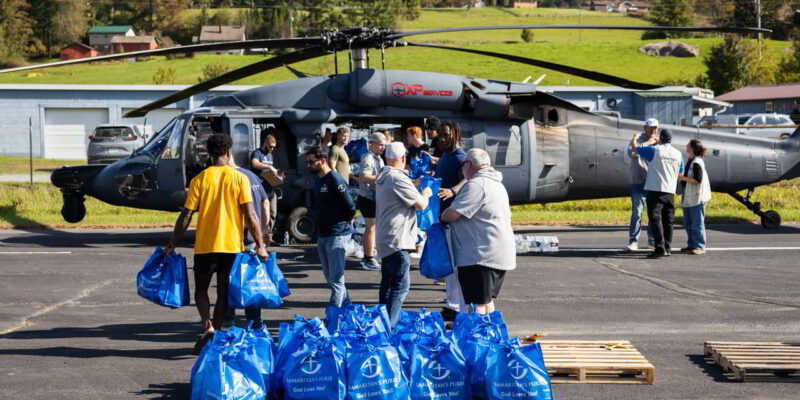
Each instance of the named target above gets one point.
<point>370,165</point>
<point>483,240</point>
<point>221,197</point>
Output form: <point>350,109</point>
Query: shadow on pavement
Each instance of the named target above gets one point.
<point>749,228</point>
<point>166,391</point>
<point>72,239</point>
<point>80,352</point>
<point>162,332</point>
<point>711,369</point>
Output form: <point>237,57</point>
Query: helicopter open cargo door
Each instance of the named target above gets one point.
<point>170,175</point>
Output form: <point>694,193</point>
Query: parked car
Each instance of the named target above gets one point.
<point>781,126</point>
<point>761,125</point>
<point>109,143</point>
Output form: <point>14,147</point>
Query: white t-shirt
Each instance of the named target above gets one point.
<point>396,216</point>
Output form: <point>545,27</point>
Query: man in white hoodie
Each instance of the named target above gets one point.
<point>482,237</point>
<point>396,201</point>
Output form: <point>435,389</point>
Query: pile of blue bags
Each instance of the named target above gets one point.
<point>353,356</point>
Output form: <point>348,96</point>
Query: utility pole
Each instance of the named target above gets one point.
<point>758,24</point>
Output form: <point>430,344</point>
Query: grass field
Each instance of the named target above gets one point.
<point>21,165</point>
<point>613,52</point>
<point>38,206</point>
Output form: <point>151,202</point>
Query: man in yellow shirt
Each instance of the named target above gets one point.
<point>222,198</point>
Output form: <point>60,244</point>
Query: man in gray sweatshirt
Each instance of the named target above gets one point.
<point>482,237</point>
<point>397,202</point>
<point>638,174</point>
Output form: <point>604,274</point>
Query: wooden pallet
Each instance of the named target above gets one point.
<point>584,361</point>
<point>749,360</point>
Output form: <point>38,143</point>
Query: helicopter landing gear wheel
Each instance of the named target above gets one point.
<point>771,220</point>
<point>73,209</point>
<point>301,225</point>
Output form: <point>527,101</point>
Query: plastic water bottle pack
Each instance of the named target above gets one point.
<point>536,244</point>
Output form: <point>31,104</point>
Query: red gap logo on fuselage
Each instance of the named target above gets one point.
<point>400,89</point>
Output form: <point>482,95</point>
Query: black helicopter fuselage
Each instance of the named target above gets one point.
<point>548,149</point>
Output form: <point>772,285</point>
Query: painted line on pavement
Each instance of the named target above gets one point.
<point>35,252</point>
<point>674,250</point>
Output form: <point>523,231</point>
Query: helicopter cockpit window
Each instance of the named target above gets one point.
<point>159,140</point>
<point>504,144</point>
<point>172,151</point>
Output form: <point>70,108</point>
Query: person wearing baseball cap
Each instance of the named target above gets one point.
<point>371,164</point>
<point>397,202</point>
<point>665,164</point>
<point>638,174</point>
<point>432,125</point>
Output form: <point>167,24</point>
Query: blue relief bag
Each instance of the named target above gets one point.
<point>416,328</point>
<point>427,217</point>
<point>356,149</point>
<point>421,165</point>
<point>249,284</point>
<point>164,280</point>
<point>276,276</point>
<point>435,262</point>
<point>315,372</point>
<point>512,375</point>
<point>227,368</point>
<point>264,347</point>
<point>439,372</point>
<point>374,373</point>
<point>292,338</point>
<point>357,320</point>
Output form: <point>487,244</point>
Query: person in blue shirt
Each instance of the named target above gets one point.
<point>261,207</point>
<point>333,211</point>
<point>262,163</point>
<point>664,166</point>
<point>448,169</point>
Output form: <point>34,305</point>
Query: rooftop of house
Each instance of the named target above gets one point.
<point>110,29</point>
<point>763,92</point>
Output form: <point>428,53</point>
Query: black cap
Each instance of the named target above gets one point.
<point>432,123</point>
<point>665,136</point>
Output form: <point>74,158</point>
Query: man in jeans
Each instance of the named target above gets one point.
<point>334,210</point>
<point>397,201</point>
<point>638,173</point>
<point>221,197</point>
<point>665,164</point>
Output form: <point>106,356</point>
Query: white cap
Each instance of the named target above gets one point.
<point>651,123</point>
<point>395,150</point>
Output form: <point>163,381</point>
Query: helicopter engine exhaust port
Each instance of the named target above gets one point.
<point>770,219</point>
<point>301,225</point>
<point>73,209</point>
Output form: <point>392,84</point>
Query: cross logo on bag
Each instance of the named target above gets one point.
<point>519,371</point>
<point>438,371</point>
<point>371,367</point>
<point>310,367</point>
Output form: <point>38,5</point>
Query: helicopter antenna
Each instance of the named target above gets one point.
<point>538,81</point>
<point>383,60</point>
<point>527,79</point>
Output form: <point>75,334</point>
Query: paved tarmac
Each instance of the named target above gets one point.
<point>74,328</point>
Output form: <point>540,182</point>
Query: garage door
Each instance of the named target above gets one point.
<point>156,119</point>
<point>67,130</point>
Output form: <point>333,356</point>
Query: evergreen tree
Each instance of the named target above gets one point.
<point>672,13</point>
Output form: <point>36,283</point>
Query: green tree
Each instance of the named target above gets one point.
<point>672,13</point>
<point>527,35</point>
<point>15,31</point>
<point>164,76</point>
<point>737,62</point>
<point>213,70</point>
<point>789,67</point>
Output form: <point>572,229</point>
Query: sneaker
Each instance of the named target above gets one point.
<point>370,264</point>
<point>698,251</point>
<point>686,250</point>
<point>632,246</point>
<point>656,254</point>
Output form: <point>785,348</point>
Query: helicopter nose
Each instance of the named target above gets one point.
<point>76,179</point>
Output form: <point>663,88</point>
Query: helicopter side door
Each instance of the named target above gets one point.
<point>171,181</point>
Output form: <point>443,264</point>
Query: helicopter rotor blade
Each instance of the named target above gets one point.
<point>230,76</point>
<point>595,76</point>
<point>722,29</point>
<point>242,44</point>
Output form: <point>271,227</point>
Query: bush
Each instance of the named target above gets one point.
<point>213,70</point>
<point>527,35</point>
<point>12,61</point>
<point>164,76</point>
<point>651,35</point>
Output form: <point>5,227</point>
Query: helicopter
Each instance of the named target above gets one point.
<point>548,149</point>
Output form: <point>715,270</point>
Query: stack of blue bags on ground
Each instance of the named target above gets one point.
<point>353,356</point>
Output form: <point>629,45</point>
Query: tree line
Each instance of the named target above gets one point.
<point>39,28</point>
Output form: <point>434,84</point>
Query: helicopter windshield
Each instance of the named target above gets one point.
<point>159,140</point>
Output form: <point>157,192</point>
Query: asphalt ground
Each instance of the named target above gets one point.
<point>74,327</point>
